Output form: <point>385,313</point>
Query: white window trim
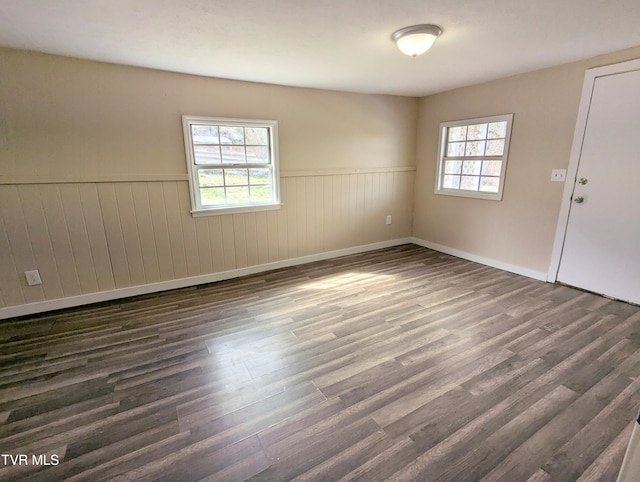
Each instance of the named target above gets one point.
<point>194,189</point>
<point>495,196</point>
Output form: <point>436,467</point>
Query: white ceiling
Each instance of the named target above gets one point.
<point>329,44</point>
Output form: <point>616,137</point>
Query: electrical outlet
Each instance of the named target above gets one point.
<point>389,219</point>
<point>558,175</point>
<point>33,277</point>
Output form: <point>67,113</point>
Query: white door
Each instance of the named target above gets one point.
<point>601,250</point>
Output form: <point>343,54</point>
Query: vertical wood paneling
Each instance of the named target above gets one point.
<point>334,219</point>
<point>377,201</point>
<point>240,240</point>
<point>215,238</point>
<point>113,233</point>
<point>361,207</point>
<point>262,235</point>
<point>146,231</point>
<point>375,218</point>
<point>353,214</point>
<point>5,277</point>
<point>228,242</point>
<point>176,236</point>
<point>290,186</point>
<point>80,245</point>
<point>301,217</point>
<point>328,226</point>
<point>377,213</point>
<point>94,224</point>
<point>272,235</point>
<point>318,215</point>
<point>336,212</point>
<point>403,199</point>
<point>19,242</point>
<point>342,208</point>
<point>204,245</point>
<point>390,207</point>
<point>92,237</point>
<point>60,239</point>
<point>45,260</point>
<point>188,230</point>
<point>310,199</point>
<point>283,230</point>
<point>129,226</point>
<point>399,210</point>
<point>251,236</point>
<point>367,207</point>
<point>11,289</point>
<point>161,236</point>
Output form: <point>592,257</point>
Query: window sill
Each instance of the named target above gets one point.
<point>470,194</point>
<point>235,210</point>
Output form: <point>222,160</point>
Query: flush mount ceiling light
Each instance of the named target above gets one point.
<point>417,39</point>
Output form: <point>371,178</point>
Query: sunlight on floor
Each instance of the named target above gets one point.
<point>347,279</point>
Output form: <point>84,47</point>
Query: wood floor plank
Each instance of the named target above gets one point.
<point>302,458</point>
<point>605,467</point>
<point>91,463</point>
<point>396,364</point>
<point>472,462</point>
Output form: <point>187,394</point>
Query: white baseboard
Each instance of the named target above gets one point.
<point>481,259</point>
<point>71,301</point>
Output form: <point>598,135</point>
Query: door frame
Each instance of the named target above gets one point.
<point>576,152</point>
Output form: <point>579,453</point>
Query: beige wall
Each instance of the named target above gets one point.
<point>68,119</point>
<point>93,189</point>
<point>519,230</point>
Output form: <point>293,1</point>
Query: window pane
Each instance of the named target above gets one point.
<point>471,167</point>
<point>233,154</point>
<point>260,176</point>
<point>210,196</point>
<point>238,194</point>
<point>206,154</point>
<point>451,182</point>
<point>231,135</point>
<point>256,136</point>
<point>261,193</point>
<point>235,177</point>
<point>473,159</point>
<point>205,134</point>
<point>455,149</point>
<point>210,177</point>
<point>475,148</point>
<point>497,130</point>
<point>491,168</point>
<point>495,148</point>
<point>453,167</point>
<point>477,131</point>
<point>231,163</point>
<point>457,133</point>
<point>469,183</point>
<point>258,154</point>
<point>490,184</point>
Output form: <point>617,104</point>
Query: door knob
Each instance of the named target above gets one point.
<point>578,199</point>
<point>583,181</point>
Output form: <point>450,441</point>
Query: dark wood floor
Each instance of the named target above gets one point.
<point>400,364</point>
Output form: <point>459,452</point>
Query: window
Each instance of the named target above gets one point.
<point>473,157</point>
<point>232,164</point>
